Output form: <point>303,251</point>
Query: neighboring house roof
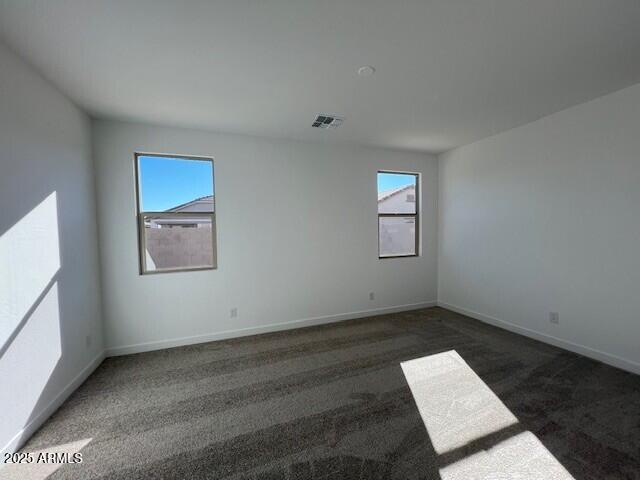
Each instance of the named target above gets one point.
<point>390,193</point>
<point>192,205</point>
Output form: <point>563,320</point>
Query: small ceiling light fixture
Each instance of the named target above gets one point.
<point>366,71</point>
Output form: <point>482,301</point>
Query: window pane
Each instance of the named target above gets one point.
<point>397,236</point>
<point>178,242</point>
<point>174,184</point>
<point>396,193</point>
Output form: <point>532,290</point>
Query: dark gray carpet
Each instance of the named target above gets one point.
<point>332,402</point>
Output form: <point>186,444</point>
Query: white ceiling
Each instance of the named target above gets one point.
<point>449,72</point>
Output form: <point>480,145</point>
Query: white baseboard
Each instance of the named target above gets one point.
<point>603,357</point>
<point>23,435</point>
<point>274,327</point>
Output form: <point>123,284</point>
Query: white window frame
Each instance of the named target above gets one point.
<point>141,214</point>
<point>415,215</point>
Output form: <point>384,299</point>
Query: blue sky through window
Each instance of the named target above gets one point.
<point>166,182</point>
<point>390,181</point>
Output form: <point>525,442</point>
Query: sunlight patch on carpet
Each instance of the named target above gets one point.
<point>463,416</point>
<point>44,462</point>
<point>522,457</point>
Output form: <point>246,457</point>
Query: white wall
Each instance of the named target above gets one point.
<point>49,281</point>
<point>320,198</point>
<point>546,217</point>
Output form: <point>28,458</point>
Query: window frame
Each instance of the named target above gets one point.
<point>140,214</point>
<point>415,215</point>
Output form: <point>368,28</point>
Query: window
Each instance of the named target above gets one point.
<point>176,213</point>
<point>397,214</point>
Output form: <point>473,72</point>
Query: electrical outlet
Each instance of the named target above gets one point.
<point>234,312</point>
<point>372,296</point>
<point>554,318</point>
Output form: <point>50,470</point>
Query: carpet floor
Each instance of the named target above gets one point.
<point>331,402</point>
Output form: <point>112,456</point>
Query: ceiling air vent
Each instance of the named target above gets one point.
<point>327,121</point>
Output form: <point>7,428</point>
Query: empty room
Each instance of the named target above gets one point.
<point>320,239</point>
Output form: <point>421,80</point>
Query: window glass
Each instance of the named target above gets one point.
<point>397,214</point>
<point>176,216</point>
<point>177,242</point>
<point>166,182</point>
<point>396,193</point>
<point>397,236</point>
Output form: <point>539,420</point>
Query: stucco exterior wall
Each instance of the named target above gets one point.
<point>179,247</point>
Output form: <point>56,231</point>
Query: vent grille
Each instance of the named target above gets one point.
<point>327,121</point>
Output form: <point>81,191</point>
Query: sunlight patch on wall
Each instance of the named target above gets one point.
<point>30,338</point>
<point>29,260</point>
<point>27,364</point>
